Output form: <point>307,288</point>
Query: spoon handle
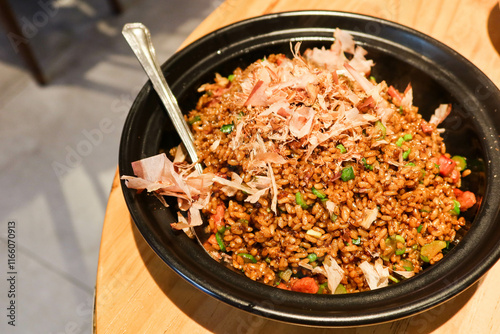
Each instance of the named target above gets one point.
<point>139,39</point>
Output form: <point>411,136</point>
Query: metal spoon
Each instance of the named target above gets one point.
<point>139,39</point>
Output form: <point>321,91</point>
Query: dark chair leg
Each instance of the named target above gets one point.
<point>19,42</point>
<point>116,6</point>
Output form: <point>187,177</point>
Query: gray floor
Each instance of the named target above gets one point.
<point>59,144</point>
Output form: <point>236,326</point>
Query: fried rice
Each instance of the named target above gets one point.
<point>317,177</point>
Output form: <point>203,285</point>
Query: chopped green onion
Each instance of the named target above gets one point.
<point>356,241</point>
<point>340,290</point>
<point>381,127</point>
<point>195,119</point>
<point>400,110</point>
<point>406,154</point>
<point>432,249</point>
<point>341,148</point>
<point>299,199</point>
<point>318,193</point>
<point>367,166</point>
<point>407,137</point>
<point>230,77</point>
<point>399,238</point>
<point>394,279</point>
<point>312,257</point>
<point>314,233</point>
<point>456,207</point>
<point>399,142</point>
<point>285,275</point>
<point>228,128</point>
<point>400,251</point>
<point>240,115</point>
<point>410,164</point>
<point>322,287</point>
<point>461,163</point>
<point>248,257</point>
<point>268,260</point>
<point>333,217</point>
<point>393,241</point>
<point>347,174</point>
<point>243,221</point>
<point>419,228</point>
<point>222,230</point>
<point>407,265</point>
<point>220,242</point>
<point>372,78</point>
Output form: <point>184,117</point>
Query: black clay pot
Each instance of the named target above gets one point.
<point>402,55</point>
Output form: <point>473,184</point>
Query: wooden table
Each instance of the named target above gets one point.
<point>137,293</point>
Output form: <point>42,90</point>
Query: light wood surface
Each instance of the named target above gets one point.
<point>137,293</point>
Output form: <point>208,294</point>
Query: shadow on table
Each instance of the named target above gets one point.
<point>218,317</point>
<point>494,27</point>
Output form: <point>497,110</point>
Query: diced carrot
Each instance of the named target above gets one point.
<point>218,217</point>
<point>212,240</point>
<point>306,284</point>
<point>446,165</point>
<point>207,245</point>
<point>280,60</point>
<point>396,96</point>
<point>282,286</point>
<point>467,199</point>
<point>426,127</point>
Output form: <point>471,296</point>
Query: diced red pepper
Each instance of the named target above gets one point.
<point>455,176</point>
<point>282,286</point>
<point>306,284</point>
<point>446,165</point>
<point>467,199</point>
<point>396,96</point>
<point>426,127</point>
<point>407,89</point>
<point>218,217</point>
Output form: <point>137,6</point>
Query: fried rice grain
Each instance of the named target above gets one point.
<point>315,166</point>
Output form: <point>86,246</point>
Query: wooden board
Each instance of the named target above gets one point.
<point>137,293</point>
